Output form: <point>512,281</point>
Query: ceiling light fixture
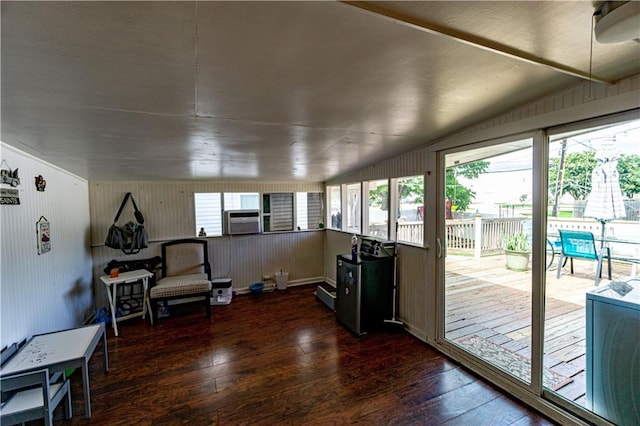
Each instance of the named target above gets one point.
<point>617,21</point>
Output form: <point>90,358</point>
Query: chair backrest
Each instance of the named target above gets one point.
<point>30,387</point>
<point>8,352</point>
<point>578,244</point>
<point>186,256</point>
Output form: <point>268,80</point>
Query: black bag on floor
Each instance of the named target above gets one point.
<point>130,238</point>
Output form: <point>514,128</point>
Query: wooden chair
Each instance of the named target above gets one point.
<point>186,273</point>
<point>581,245</point>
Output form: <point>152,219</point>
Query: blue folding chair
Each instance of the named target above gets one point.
<point>581,245</point>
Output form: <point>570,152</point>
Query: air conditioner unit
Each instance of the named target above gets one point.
<point>242,222</point>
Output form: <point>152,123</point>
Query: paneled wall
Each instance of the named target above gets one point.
<point>51,291</point>
<point>335,243</point>
<point>415,294</point>
<point>168,209</point>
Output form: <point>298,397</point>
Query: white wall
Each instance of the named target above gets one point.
<point>52,291</point>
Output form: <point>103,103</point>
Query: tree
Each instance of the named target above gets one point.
<point>459,195</point>
<point>577,174</point>
<point>629,171</point>
<point>412,187</point>
<point>408,188</point>
<point>578,168</point>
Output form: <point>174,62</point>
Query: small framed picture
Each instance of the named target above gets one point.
<point>43,232</point>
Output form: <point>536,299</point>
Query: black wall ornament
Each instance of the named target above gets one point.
<point>41,184</point>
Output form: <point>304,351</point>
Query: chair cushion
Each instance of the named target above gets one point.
<point>179,285</point>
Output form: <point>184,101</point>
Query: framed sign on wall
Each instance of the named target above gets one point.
<point>43,231</point>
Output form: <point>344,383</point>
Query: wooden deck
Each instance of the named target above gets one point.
<point>484,298</point>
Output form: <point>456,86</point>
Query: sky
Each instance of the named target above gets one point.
<point>509,176</point>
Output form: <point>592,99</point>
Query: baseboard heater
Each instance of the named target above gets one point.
<point>326,297</point>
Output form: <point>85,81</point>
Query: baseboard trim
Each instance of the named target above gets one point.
<point>291,283</point>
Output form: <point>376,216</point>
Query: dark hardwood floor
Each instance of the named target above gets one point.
<point>281,358</point>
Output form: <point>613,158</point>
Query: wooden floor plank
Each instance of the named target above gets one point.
<point>279,358</point>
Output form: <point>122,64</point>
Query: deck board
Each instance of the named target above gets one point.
<point>483,298</point>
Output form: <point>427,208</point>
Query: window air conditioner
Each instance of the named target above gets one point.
<point>241,222</point>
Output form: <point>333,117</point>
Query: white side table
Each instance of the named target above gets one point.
<point>112,291</point>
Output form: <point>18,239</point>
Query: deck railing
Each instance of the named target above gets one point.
<point>482,236</point>
<point>411,232</point>
<point>462,234</point>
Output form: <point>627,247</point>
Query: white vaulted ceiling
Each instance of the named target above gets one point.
<point>277,91</point>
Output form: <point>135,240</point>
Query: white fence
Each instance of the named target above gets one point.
<point>486,236</point>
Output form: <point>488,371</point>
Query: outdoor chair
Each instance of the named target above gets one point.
<point>186,273</point>
<point>553,247</point>
<point>31,396</point>
<point>581,245</point>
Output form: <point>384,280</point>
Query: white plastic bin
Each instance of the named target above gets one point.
<point>281,280</point>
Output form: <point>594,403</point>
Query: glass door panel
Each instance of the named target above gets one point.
<point>488,233</point>
<point>592,333</point>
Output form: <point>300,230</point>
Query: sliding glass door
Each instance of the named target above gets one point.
<point>539,247</point>
<point>592,318</point>
<point>487,267</point>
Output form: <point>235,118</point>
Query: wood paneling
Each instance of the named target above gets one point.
<point>168,207</point>
<point>415,291</point>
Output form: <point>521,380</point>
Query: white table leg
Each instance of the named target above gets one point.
<point>146,303</point>
<point>105,350</point>
<point>144,297</point>
<point>112,302</point>
<point>85,385</point>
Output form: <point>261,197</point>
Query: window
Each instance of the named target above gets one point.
<point>280,211</point>
<point>241,201</point>
<point>309,207</point>
<point>208,208</point>
<point>277,212</point>
<point>409,208</point>
<point>377,218</point>
<point>334,202</point>
<point>354,207</point>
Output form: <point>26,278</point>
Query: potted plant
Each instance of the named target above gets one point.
<point>517,251</point>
